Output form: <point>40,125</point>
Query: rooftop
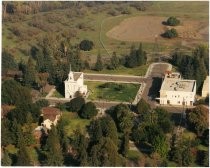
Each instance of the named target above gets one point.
<point>77,75</point>
<point>174,84</point>
<point>50,113</point>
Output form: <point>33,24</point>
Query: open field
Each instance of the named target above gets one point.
<point>112,91</point>
<point>96,21</point>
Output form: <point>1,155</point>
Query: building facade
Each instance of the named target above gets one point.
<point>74,84</point>
<point>205,89</point>
<point>177,91</point>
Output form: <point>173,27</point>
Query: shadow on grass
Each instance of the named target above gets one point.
<point>61,89</point>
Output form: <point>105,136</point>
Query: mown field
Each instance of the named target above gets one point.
<point>89,24</point>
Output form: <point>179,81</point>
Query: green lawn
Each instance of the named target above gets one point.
<point>74,122</point>
<point>139,71</point>
<point>112,91</point>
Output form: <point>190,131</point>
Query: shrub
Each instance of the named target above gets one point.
<point>86,45</point>
<point>172,33</point>
<point>172,21</point>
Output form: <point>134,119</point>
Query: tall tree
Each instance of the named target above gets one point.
<point>29,76</point>
<point>23,158</point>
<point>6,160</point>
<point>114,62</point>
<point>54,151</point>
<point>197,119</point>
<point>95,130</point>
<point>123,118</point>
<point>142,107</point>
<point>99,63</point>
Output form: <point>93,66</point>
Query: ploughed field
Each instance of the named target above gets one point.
<point>149,28</point>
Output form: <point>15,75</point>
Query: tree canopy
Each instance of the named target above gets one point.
<point>197,119</point>
<point>88,110</point>
<point>172,21</point>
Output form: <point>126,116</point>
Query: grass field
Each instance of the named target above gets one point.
<point>112,91</point>
<point>139,71</point>
<point>74,122</point>
<point>58,22</point>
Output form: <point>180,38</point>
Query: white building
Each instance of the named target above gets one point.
<point>205,89</point>
<point>74,83</point>
<point>177,91</point>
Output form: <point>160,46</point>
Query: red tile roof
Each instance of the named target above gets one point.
<point>50,113</point>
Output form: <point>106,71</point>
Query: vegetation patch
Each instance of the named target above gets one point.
<point>134,155</point>
<point>139,71</point>
<point>112,91</point>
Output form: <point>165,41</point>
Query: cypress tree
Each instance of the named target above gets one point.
<point>23,158</point>
<point>54,152</point>
<point>99,64</point>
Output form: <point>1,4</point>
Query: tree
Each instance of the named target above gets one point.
<point>13,93</point>
<point>95,130</point>
<point>142,107</point>
<point>163,120</point>
<point>205,137</point>
<point>27,134</point>
<point>88,110</point>
<point>123,118</point>
<point>6,160</point>
<point>171,33</point>
<point>161,146</point>
<point>197,119</point>
<point>23,158</point>
<point>86,45</point>
<point>75,104</point>
<point>53,149</point>
<point>132,58</point>
<point>125,144</point>
<point>172,21</point>
<point>80,144</point>
<point>141,55</point>
<point>109,128</point>
<point>6,135</point>
<point>99,64</point>
<point>8,62</point>
<point>104,153</point>
<point>29,75</point>
<point>114,62</point>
